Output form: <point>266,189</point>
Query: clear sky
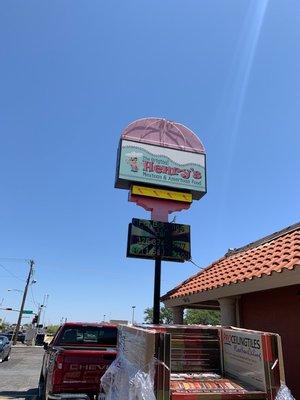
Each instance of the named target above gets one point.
<point>74,73</point>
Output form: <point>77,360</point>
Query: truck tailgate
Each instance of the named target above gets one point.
<point>80,370</point>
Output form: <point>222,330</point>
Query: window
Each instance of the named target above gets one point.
<point>3,340</point>
<point>92,335</point>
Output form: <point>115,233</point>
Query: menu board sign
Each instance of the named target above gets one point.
<point>153,239</point>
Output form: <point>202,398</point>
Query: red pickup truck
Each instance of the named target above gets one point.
<point>75,360</point>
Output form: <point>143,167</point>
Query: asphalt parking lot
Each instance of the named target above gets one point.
<point>19,376</point>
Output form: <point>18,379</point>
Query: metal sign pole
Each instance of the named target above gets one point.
<point>156,298</point>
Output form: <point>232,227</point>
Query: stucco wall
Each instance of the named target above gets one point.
<point>277,310</point>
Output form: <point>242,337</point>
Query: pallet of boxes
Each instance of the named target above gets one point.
<point>178,362</point>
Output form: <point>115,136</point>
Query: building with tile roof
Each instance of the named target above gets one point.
<point>256,286</point>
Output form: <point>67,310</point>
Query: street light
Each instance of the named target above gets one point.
<point>132,319</point>
<point>15,290</point>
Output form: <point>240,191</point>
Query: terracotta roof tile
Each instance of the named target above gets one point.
<point>273,253</point>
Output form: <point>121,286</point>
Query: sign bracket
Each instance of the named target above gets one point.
<point>160,209</point>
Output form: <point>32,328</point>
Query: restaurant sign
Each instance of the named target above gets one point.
<point>162,166</point>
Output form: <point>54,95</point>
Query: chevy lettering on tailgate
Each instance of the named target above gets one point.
<point>84,373</point>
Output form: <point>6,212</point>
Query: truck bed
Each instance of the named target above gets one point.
<point>199,362</point>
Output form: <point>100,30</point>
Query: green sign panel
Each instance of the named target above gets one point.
<point>27,312</point>
<point>154,239</point>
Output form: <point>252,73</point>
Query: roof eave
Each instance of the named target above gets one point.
<point>287,277</point>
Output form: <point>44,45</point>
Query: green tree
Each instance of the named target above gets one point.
<point>52,329</point>
<point>166,315</point>
<point>205,317</point>
<point>3,325</point>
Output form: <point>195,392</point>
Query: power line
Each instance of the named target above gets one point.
<point>12,259</point>
<point>11,273</point>
<point>196,265</point>
<point>32,297</point>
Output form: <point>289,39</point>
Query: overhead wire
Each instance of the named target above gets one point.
<point>11,273</point>
<point>196,265</point>
<point>15,276</point>
<point>33,298</point>
<point>31,290</point>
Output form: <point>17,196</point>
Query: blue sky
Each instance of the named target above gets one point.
<point>75,73</point>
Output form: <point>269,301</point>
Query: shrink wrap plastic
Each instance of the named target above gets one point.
<point>284,394</point>
<point>130,376</point>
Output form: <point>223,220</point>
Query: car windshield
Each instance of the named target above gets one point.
<point>2,339</point>
<point>92,335</point>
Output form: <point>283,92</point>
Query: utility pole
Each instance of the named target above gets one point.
<point>39,314</point>
<point>41,308</point>
<point>45,302</point>
<point>15,335</point>
<point>132,318</point>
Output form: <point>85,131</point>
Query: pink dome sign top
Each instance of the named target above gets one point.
<point>164,133</point>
